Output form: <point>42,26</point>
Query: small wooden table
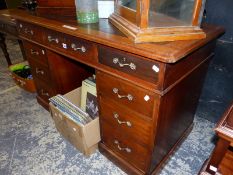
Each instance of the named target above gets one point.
<point>221,160</point>
<point>8,27</point>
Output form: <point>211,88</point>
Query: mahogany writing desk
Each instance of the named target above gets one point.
<point>147,93</point>
<point>8,27</point>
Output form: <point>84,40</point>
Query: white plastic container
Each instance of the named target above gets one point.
<point>105,8</point>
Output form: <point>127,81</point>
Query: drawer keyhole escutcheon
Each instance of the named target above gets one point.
<point>39,71</point>
<point>131,65</point>
<point>116,116</point>
<point>44,93</point>
<point>128,150</point>
<point>129,96</point>
<point>34,52</point>
<point>75,48</point>
<point>50,39</point>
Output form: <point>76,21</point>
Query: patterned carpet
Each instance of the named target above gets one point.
<point>30,144</point>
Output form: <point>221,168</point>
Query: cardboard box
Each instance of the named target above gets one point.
<point>84,138</point>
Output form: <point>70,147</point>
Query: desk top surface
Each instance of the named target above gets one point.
<point>105,33</point>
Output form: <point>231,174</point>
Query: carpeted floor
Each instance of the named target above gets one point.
<point>30,144</point>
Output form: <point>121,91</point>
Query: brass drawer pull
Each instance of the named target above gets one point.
<point>50,39</point>
<point>27,31</point>
<point>34,52</point>
<point>75,48</point>
<point>129,96</point>
<point>131,65</point>
<point>44,93</point>
<point>39,71</point>
<point>128,150</point>
<point>116,116</point>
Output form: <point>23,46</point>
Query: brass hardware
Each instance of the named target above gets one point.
<point>128,150</point>
<point>27,31</point>
<point>44,93</point>
<point>34,52</point>
<point>39,71</point>
<point>75,48</point>
<point>116,116</point>
<point>129,96</point>
<point>50,39</point>
<point>131,65</point>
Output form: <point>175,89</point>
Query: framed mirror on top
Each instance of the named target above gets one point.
<point>159,20</point>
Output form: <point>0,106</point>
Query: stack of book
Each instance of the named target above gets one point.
<point>71,110</point>
<point>88,109</point>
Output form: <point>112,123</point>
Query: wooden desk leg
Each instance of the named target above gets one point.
<point>22,49</point>
<point>4,49</point>
<point>217,155</point>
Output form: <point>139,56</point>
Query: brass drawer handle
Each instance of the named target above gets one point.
<point>44,93</point>
<point>27,31</point>
<point>34,52</point>
<point>116,116</point>
<point>50,39</point>
<point>129,96</point>
<point>39,71</point>
<point>75,48</point>
<point>131,65</point>
<point>128,150</point>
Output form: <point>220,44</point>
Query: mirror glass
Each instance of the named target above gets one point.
<point>132,4</point>
<point>166,13</point>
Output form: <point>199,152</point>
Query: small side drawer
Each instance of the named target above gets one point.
<point>30,31</point>
<point>126,148</point>
<point>35,52</point>
<point>128,63</point>
<point>40,71</point>
<point>130,124</point>
<point>126,94</point>
<point>44,90</point>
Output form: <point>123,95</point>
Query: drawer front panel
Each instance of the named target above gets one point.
<point>30,31</point>
<point>130,124</point>
<point>40,71</point>
<point>80,48</point>
<point>55,39</point>
<point>126,94</point>
<point>44,90</point>
<point>128,63</point>
<point>124,147</point>
<point>36,52</point>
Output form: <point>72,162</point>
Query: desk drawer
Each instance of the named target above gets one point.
<point>126,148</point>
<point>127,122</point>
<point>30,31</point>
<point>80,48</point>
<point>44,90</point>
<point>126,94</point>
<point>128,63</point>
<point>40,71</point>
<point>35,52</point>
<point>55,39</point>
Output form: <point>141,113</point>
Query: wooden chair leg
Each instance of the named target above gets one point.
<point>4,49</point>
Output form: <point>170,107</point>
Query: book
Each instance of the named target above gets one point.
<point>74,112</point>
<point>89,97</point>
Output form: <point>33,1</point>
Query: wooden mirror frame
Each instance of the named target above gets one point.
<point>135,25</point>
